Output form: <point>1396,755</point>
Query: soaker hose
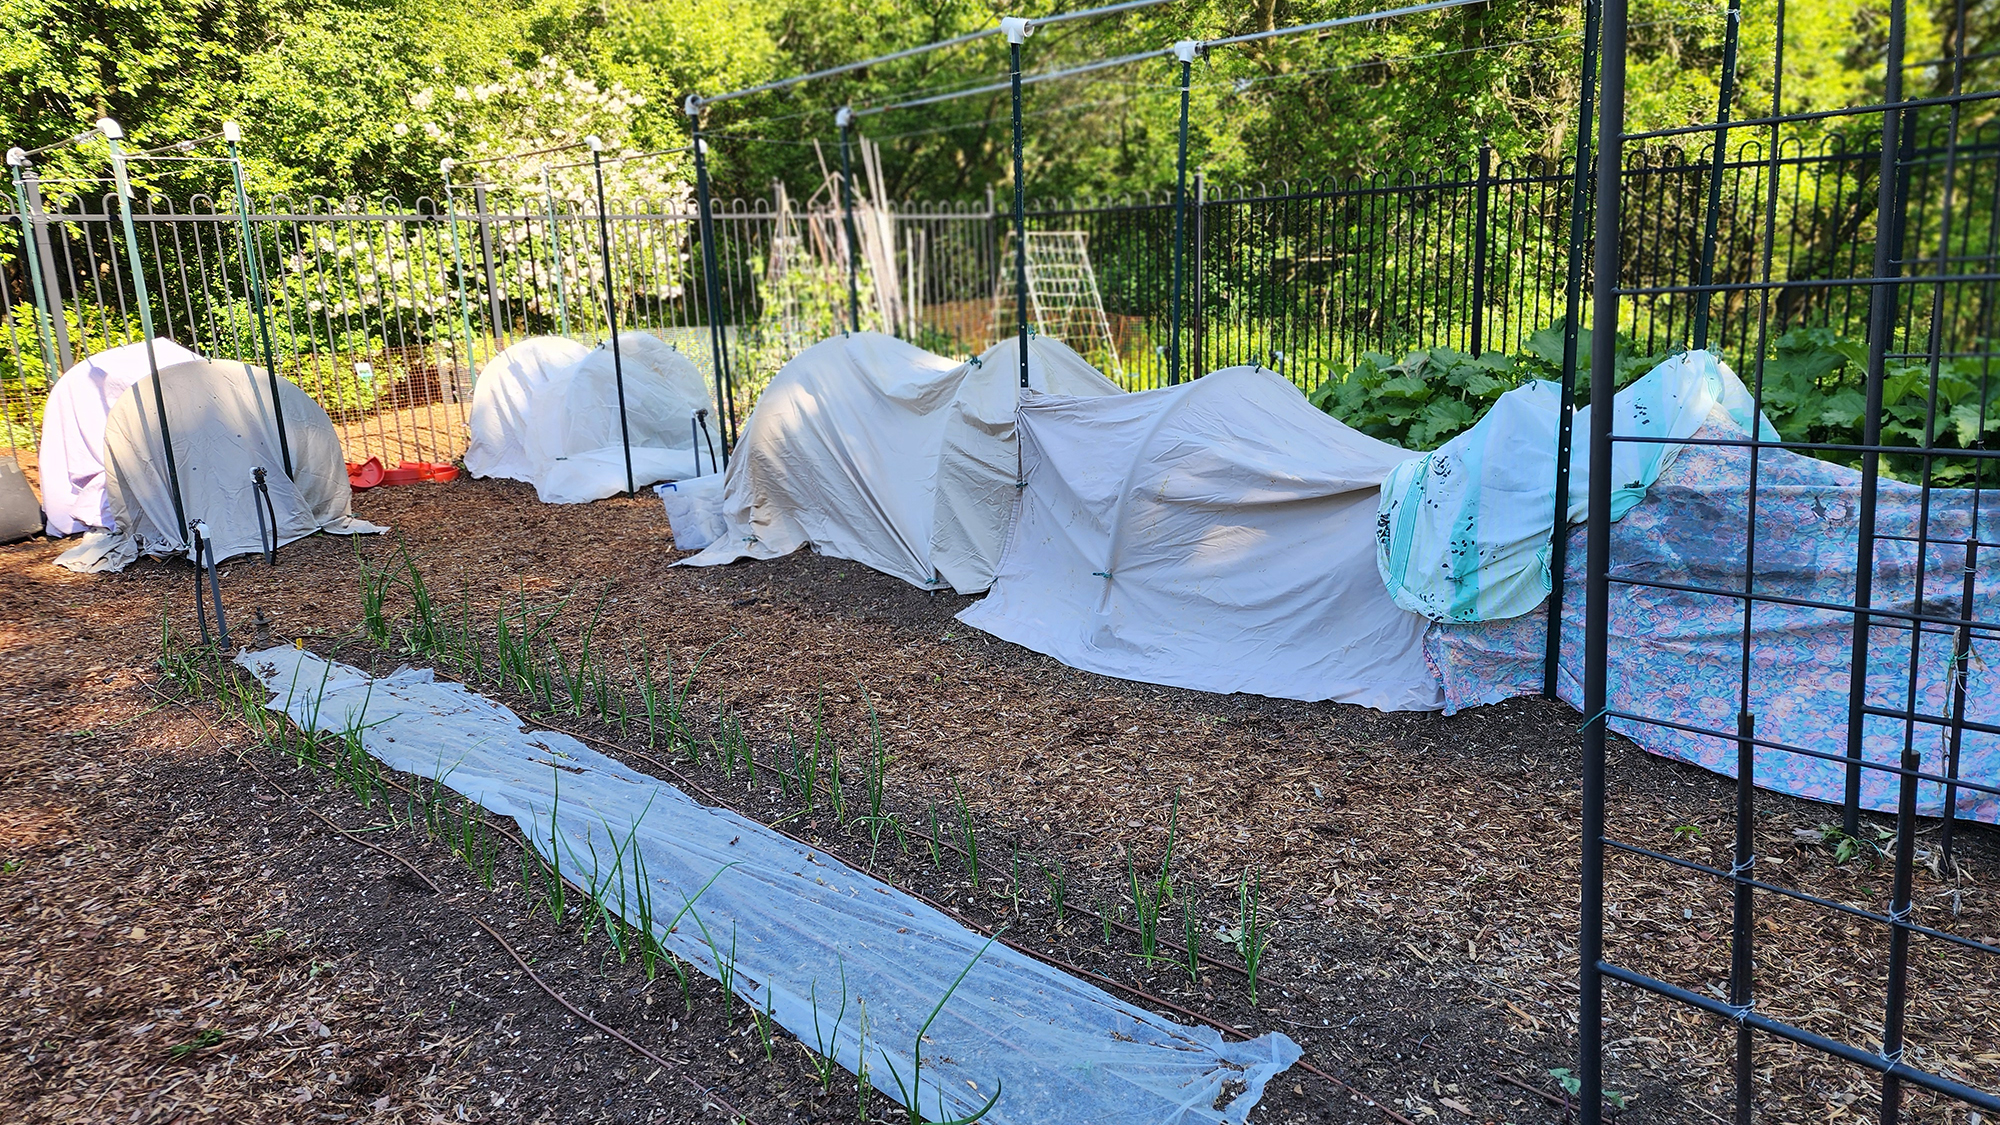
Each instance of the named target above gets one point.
<point>701,419</point>
<point>263,505</point>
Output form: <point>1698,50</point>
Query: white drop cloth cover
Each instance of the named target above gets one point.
<point>555,424</point>
<point>72,449</point>
<point>813,938</point>
<point>1465,529</point>
<point>503,403</point>
<point>1218,535</point>
<point>871,449</point>
<point>223,429</point>
<point>694,510</point>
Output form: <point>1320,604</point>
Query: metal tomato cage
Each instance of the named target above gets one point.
<point>1930,289</point>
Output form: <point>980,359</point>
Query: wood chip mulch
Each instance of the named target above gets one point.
<point>1423,869</point>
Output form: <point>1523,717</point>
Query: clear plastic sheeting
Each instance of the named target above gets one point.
<point>694,511</point>
<point>810,940</point>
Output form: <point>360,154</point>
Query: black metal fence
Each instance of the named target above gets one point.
<point>386,313</point>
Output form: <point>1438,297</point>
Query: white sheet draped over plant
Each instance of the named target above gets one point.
<point>796,932</point>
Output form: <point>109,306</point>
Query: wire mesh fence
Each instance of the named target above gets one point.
<point>1831,638</point>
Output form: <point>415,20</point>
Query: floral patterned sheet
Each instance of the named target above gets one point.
<point>1677,656</point>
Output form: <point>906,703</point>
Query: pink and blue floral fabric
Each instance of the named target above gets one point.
<point>1676,656</point>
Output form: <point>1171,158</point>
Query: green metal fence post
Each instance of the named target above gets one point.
<point>45,326</point>
<point>555,252</point>
<point>458,267</point>
<point>1185,51</point>
<point>112,135</point>
<point>253,277</point>
<point>1017,31</point>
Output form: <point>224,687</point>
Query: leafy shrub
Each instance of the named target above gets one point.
<point>25,376</point>
<point>1420,401</point>
<point>1814,390</point>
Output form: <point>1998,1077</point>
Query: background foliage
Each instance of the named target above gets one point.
<point>364,97</point>
<point>1811,385</point>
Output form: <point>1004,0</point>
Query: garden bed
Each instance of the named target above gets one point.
<point>1419,873</point>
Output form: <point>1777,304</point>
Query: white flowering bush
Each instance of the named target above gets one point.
<point>387,282</point>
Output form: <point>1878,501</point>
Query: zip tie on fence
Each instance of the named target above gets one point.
<point>1741,1013</point>
<point>1738,870</point>
<point>1104,574</point>
<point>1585,725</point>
<point>1900,916</point>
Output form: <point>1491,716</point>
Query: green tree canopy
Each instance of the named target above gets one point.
<point>364,97</point>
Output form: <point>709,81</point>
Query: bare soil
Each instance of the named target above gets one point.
<point>179,938</point>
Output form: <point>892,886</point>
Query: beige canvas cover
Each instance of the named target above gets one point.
<point>869,448</point>
<point>219,413</point>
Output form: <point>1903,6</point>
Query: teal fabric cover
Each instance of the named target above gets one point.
<point>1464,531</point>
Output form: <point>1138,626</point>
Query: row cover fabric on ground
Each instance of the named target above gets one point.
<point>546,411</point>
<point>223,429</point>
<point>1465,529</point>
<point>1216,535</point>
<point>868,448</point>
<point>71,454</point>
<point>1678,656</point>
<point>810,936</point>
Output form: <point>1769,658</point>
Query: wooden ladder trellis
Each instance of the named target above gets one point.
<point>1063,299</point>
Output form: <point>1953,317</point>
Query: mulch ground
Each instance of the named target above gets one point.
<point>180,937</point>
